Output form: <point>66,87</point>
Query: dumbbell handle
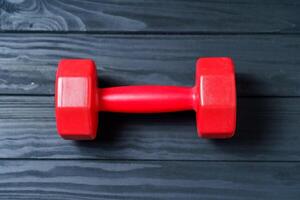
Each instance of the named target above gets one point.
<point>146,99</point>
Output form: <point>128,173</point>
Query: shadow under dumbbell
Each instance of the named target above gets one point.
<point>120,133</point>
<point>253,125</point>
<point>162,135</point>
<point>110,128</point>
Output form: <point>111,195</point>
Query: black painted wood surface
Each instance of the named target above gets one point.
<point>267,131</point>
<point>266,65</point>
<point>51,179</point>
<point>150,156</point>
<point>155,16</point>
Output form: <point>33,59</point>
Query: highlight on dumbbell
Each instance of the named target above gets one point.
<point>78,100</point>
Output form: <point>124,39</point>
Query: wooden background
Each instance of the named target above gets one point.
<point>150,156</point>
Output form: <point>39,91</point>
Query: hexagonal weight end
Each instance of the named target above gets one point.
<point>216,111</point>
<point>75,99</point>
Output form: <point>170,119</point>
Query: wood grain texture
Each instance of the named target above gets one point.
<point>268,130</point>
<point>148,180</point>
<point>150,156</point>
<point>266,65</point>
<point>234,16</point>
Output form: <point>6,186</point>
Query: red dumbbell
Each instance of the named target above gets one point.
<point>78,100</point>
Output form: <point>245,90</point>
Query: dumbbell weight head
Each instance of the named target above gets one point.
<point>216,106</point>
<point>76,99</point>
<point>213,97</point>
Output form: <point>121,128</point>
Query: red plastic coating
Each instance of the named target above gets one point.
<point>78,100</point>
<point>146,99</point>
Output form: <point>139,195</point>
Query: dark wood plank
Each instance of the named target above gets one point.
<point>234,16</point>
<point>266,65</point>
<point>148,180</point>
<point>268,130</point>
